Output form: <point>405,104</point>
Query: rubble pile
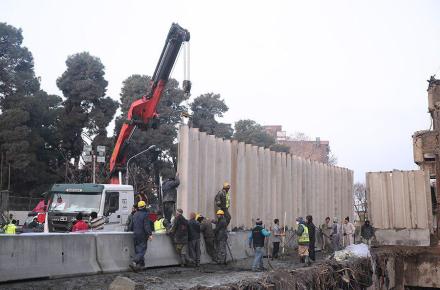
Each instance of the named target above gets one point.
<point>354,273</point>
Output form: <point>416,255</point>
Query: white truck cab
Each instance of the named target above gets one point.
<point>111,201</point>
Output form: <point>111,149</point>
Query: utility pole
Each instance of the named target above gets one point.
<point>89,155</point>
<point>9,176</point>
<point>1,171</point>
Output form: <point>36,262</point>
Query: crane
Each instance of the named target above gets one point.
<point>142,113</point>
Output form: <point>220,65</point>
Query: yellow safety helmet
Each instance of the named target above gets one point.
<point>197,216</point>
<point>142,204</point>
<point>226,185</point>
<point>220,212</point>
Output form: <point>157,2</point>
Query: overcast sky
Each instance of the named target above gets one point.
<point>351,72</point>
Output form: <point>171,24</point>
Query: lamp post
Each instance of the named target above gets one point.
<point>134,156</point>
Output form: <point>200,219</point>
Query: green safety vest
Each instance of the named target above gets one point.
<point>158,226</point>
<point>10,229</point>
<point>304,238</point>
<point>228,199</point>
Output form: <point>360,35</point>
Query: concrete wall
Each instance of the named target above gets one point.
<point>264,184</point>
<point>399,200</point>
<point>30,256</point>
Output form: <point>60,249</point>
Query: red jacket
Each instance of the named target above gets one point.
<point>80,226</point>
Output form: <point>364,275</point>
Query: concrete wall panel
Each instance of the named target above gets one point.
<point>264,183</point>
<point>399,200</point>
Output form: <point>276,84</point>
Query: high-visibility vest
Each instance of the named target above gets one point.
<point>228,199</point>
<point>10,229</point>
<point>304,238</point>
<point>158,226</point>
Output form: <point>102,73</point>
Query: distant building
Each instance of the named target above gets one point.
<point>314,150</point>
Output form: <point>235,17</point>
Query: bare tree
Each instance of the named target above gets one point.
<point>360,200</point>
<point>332,158</point>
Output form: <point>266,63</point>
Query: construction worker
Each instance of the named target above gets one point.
<point>10,228</point>
<point>80,225</point>
<point>169,194</point>
<point>223,201</point>
<point>208,235</point>
<point>325,231</point>
<point>303,241</point>
<point>141,234</point>
<point>336,234</point>
<point>276,239</point>
<point>33,225</point>
<point>160,224</point>
<point>367,233</point>
<point>129,222</point>
<point>348,232</point>
<point>194,239</point>
<point>312,236</point>
<point>256,241</point>
<point>96,223</point>
<point>221,236</point>
<point>179,232</point>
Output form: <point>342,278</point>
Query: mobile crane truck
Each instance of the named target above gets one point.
<point>113,201</point>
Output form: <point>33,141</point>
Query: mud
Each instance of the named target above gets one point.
<point>210,275</point>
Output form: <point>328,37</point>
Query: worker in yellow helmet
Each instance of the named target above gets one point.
<point>221,236</point>
<point>303,241</point>
<point>141,234</point>
<point>10,228</point>
<point>223,201</point>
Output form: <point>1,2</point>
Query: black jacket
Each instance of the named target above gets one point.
<point>169,189</point>
<point>257,237</point>
<point>312,234</point>
<point>141,225</point>
<point>220,230</point>
<point>179,230</point>
<point>193,230</point>
<point>367,232</point>
<point>206,229</point>
<point>220,199</point>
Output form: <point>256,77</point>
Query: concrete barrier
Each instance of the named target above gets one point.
<point>47,255</point>
<point>30,256</point>
<point>113,251</point>
<point>403,237</point>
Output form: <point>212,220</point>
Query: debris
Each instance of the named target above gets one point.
<point>352,251</point>
<point>124,283</point>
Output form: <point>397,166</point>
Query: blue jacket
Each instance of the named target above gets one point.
<point>141,225</point>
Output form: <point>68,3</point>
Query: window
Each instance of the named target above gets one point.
<point>111,203</point>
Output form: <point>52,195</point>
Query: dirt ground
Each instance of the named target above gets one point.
<point>167,277</point>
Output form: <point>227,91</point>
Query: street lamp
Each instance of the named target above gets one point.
<point>152,147</point>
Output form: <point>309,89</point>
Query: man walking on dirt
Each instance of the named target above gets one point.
<point>256,241</point>
<point>348,231</point>
<point>223,201</point>
<point>276,239</point>
<point>303,241</point>
<point>142,233</point>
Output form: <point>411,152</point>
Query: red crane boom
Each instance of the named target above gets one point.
<point>143,111</point>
